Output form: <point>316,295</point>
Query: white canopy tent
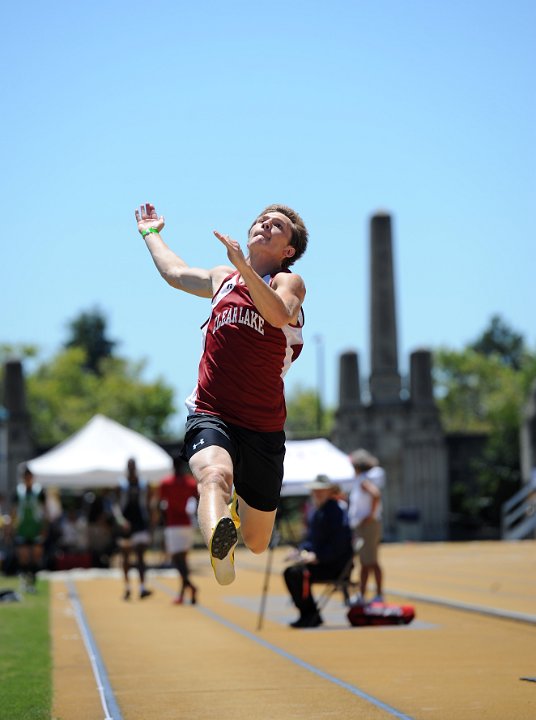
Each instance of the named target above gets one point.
<point>305,459</point>
<point>97,455</point>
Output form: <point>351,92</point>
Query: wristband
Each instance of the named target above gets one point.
<point>143,233</point>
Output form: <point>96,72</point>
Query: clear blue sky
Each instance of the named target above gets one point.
<point>211,110</point>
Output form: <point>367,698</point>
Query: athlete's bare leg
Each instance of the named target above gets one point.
<point>125,561</point>
<point>125,557</point>
<point>256,526</point>
<point>212,468</point>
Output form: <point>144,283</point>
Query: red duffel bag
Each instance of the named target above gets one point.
<point>377,613</point>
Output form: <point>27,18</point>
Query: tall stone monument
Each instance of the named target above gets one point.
<point>405,434</point>
<point>17,445</point>
<point>385,383</point>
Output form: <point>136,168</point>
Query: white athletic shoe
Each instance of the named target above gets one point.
<point>222,545</point>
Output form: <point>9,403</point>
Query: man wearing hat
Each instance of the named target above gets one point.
<point>365,512</point>
<point>322,556</point>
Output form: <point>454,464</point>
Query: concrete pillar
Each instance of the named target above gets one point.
<point>349,389</point>
<point>421,385</point>
<point>18,443</point>
<point>385,384</point>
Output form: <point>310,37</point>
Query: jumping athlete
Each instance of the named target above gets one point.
<point>235,427</point>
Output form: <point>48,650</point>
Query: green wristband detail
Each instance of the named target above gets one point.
<point>146,232</point>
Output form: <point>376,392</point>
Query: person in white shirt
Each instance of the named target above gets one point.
<point>364,514</point>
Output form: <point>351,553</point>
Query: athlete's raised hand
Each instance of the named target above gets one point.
<point>147,217</point>
<point>234,251</point>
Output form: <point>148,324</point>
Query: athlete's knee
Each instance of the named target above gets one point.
<point>257,547</point>
<point>215,479</point>
<point>256,542</point>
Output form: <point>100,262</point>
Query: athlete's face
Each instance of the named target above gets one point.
<point>272,232</point>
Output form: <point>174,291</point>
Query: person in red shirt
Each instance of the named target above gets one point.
<point>178,501</point>
<point>235,439</point>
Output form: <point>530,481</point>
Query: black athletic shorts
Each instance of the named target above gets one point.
<point>257,456</point>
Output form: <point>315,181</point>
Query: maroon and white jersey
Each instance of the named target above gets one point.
<point>244,361</point>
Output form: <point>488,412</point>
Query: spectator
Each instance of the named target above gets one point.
<point>132,513</point>
<point>74,532</point>
<point>6,554</point>
<point>29,521</point>
<point>322,556</point>
<point>365,511</point>
<point>178,501</point>
<point>100,520</point>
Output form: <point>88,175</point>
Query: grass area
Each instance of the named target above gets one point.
<point>25,659</point>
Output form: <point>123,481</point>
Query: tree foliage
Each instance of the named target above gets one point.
<point>63,396</point>
<point>501,341</point>
<point>483,388</point>
<point>88,331</point>
<point>469,387</point>
<point>305,415</point>
<point>85,378</point>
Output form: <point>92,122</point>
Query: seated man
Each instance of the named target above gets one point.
<point>322,556</point>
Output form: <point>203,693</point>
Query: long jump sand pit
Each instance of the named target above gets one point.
<point>455,661</point>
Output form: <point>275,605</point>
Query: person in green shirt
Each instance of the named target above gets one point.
<point>29,522</point>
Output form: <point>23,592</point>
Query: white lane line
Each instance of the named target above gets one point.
<point>467,607</point>
<point>107,697</point>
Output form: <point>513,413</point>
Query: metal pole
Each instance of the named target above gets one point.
<point>319,340</point>
<point>274,542</point>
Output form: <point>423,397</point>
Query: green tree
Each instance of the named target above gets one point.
<point>468,386</point>
<point>483,388</point>
<point>84,379</point>
<point>305,415</point>
<point>88,331</point>
<point>63,395</point>
<point>501,341</point>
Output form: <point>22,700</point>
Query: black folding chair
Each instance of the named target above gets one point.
<point>343,584</point>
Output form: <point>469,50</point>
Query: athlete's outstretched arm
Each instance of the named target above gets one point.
<point>279,304</point>
<point>175,271</point>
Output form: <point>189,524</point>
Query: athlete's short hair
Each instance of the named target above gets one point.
<point>299,236</point>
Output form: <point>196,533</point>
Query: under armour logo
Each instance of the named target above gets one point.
<point>201,442</point>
